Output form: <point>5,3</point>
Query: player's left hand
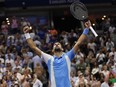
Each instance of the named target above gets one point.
<point>87,24</point>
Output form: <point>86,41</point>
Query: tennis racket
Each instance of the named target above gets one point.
<point>80,12</point>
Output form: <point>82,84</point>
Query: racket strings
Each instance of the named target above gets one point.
<point>79,10</point>
<point>80,6</point>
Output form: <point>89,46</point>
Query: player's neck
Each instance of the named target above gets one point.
<point>58,54</point>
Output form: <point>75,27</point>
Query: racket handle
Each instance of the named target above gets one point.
<point>93,31</point>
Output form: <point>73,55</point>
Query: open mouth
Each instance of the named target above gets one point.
<point>57,49</point>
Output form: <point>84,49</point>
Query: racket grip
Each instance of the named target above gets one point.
<point>93,31</point>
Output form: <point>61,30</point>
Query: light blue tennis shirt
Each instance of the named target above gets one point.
<point>59,68</point>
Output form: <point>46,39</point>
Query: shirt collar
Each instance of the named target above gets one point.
<point>58,57</point>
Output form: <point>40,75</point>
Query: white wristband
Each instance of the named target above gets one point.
<point>27,35</point>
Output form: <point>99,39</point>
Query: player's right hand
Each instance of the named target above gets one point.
<point>26,29</point>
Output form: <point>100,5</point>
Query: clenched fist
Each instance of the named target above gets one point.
<point>87,24</point>
<point>26,29</point>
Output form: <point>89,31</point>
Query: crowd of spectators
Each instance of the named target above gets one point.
<point>93,66</point>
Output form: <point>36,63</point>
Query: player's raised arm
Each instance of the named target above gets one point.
<point>30,42</point>
<point>83,36</point>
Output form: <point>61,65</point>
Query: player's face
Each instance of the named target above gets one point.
<point>57,47</point>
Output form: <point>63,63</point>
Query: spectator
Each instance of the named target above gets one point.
<point>113,54</point>
<point>73,78</point>
<point>36,81</point>
<point>102,41</point>
<point>36,59</point>
<point>105,71</point>
<point>112,78</point>
<point>10,41</point>
<point>92,45</point>
<point>114,70</point>
<point>111,29</point>
<point>78,56</point>
<point>110,61</point>
<point>81,66</point>
<point>81,82</point>
<point>25,78</point>
<point>10,61</point>
<point>14,25</point>
<point>17,65</point>
<point>9,53</point>
<point>53,32</point>
<point>100,56</point>
<point>105,83</point>
<point>109,44</point>
<point>94,82</point>
<point>4,28</point>
<point>3,83</point>
<point>96,71</point>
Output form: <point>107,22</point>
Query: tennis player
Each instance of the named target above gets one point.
<point>59,64</point>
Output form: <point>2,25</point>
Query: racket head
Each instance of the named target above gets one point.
<point>79,11</point>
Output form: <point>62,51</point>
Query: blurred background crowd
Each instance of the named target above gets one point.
<point>94,64</point>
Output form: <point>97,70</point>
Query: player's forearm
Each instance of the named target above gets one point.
<point>32,45</point>
<point>81,39</point>
<point>30,41</point>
